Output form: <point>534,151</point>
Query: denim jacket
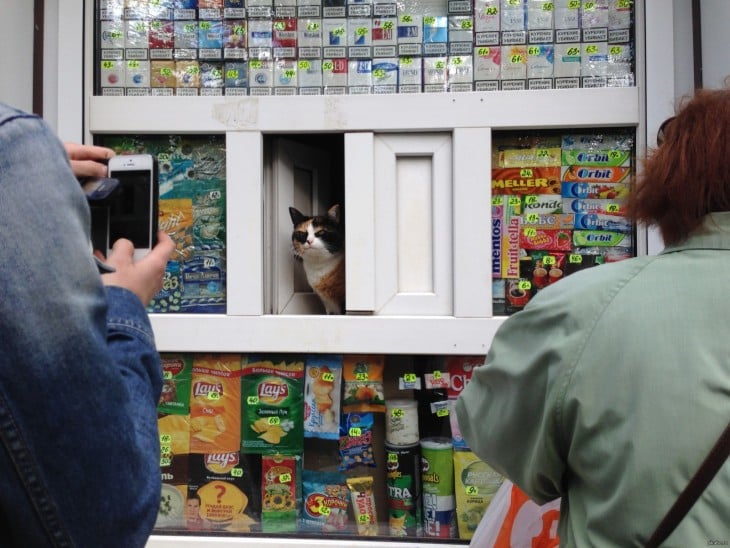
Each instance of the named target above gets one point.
<point>79,374</point>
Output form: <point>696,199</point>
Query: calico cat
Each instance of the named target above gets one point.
<point>319,242</point>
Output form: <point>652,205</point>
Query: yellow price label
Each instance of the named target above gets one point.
<point>437,375</point>
<point>575,258</point>
<point>167,375</point>
<point>547,6</point>
<point>397,413</point>
<point>532,218</point>
<point>205,25</point>
<point>274,421</point>
<point>531,199</point>
<point>429,20</point>
<point>354,432</point>
<point>165,438</point>
<point>483,52</point>
<point>237,472</point>
<point>165,461</point>
<point>363,518</point>
<point>328,377</point>
<point>165,449</point>
<point>328,66</point>
<point>406,61</point>
<point>324,510</point>
<point>548,260</point>
<point>214,396</point>
<point>392,457</point>
<point>361,377</point>
<point>591,48</point>
<point>471,490</point>
<point>613,208</point>
<point>252,400</point>
<point>526,172</point>
<point>491,10</point>
<point>107,65</point>
<point>516,59</point>
<point>285,478</point>
<point>514,200</point>
<point>615,50</point>
<point>232,74</point>
<point>525,285</point>
<point>442,412</point>
<point>530,232</point>
<point>406,18</point>
<point>410,377</point>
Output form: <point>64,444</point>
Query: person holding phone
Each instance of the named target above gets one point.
<point>80,376</point>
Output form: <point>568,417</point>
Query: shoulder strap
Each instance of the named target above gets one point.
<point>712,463</point>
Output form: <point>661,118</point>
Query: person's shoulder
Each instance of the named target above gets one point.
<point>8,112</point>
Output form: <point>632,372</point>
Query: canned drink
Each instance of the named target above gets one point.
<point>437,480</point>
<point>403,480</point>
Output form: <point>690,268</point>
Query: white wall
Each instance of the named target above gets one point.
<point>16,53</point>
<point>715,58</point>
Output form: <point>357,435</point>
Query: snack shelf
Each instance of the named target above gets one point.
<point>599,107</point>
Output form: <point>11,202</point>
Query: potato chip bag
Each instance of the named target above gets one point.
<point>326,501</point>
<point>176,376</point>
<point>273,404</point>
<point>363,376</point>
<point>227,488</point>
<point>215,404</point>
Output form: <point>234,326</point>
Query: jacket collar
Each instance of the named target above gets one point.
<point>713,234</point>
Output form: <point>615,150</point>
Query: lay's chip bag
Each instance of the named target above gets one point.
<point>272,393</point>
<point>215,404</point>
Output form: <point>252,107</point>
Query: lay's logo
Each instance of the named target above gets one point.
<point>204,389</point>
<point>273,392</point>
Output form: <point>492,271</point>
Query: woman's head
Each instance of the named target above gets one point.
<point>688,175</point>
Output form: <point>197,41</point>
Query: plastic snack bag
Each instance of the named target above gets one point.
<point>512,520</point>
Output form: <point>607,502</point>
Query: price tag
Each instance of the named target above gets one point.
<point>165,438</point>
<point>437,375</point>
<point>328,377</point>
<point>483,52</point>
<point>252,400</point>
<point>324,510</point>
<point>165,461</point>
<point>410,377</point>
<point>491,10</point>
<point>285,478</point>
<point>107,65</point>
<point>547,6</point>
<point>165,449</point>
<point>514,201</point>
<point>471,490</point>
<point>237,472</point>
<point>274,421</point>
<point>167,375</point>
<point>205,25</point>
<point>397,413</point>
<point>363,518</point>
<point>214,396</point>
<point>361,377</point>
<point>575,258</point>
<point>525,285</point>
<point>530,232</point>
<point>392,457</point>
<point>531,199</point>
<point>354,432</point>
<point>429,20</point>
<point>532,218</point>
<point>443,412</point>
<point>613,208</point>
<point>304,64</point>
<point>548,260</point>
<point>526,172</point>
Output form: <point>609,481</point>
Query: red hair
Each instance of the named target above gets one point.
<point>688,175</point>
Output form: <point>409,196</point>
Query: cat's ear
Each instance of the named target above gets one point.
<point>334,213</point>
<point>296,216</point>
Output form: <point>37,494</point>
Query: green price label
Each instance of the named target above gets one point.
<point>516,59</point>
<point>328,66</point>
<point>589,6</point>
<point>406,18</point>
<point>361,377</point>
<point>548,260</point>
<point>573,51</point>
<point>531,199</point>
<point>379,73</point>
<point>456,60</point>
<point>363,518</point>
<point>328,377</point>
<point>285,478</point>
<point>410,377</point>
<point>165,461</point>
<point>530,232</point>
<point>429,20</point>
<point>165,438</point>
<point>167,375</point>
<point>591,48</point>
<point>397,413</point>
<point>406,61</point>
<point>613,208</point>
<point>156,25</point>
<point>239,30</point>
<point>256,63</point>
<point>237,472</point>
<point>165,449</point>
<point>388,25</point>
<point>392,457</point>
<point>252,400</point>
<point>190,27</point>
<point>514,201</point>
<point>440,65</point>
<point>614,154</point>
<point>232,74</point>
<point>573,4</point>
<point>624,4</point>
<point>166,72</point>
<point>471,490</point>
<point>526,172</point>
<point>274,421</point>
<point>437,375</point>
<point>533,50</point>
<point>205,25</point>
<point>192,70</point>
<point>361,31</point>
<point>491,10</point>
<point>547,6</point>
<point>575,258</point>
<point>290,73</point>
<point>442,412</point>
<point>543,153</point>
<point>525,285</point>
<point>339,31</point>
<point>312,26</point>
<point>107,65</point>
<point>496,200</point>
<point>354,432</point>
<point>324,510</point>
<point>532,218</point>
<point>279,25</point>
<point>483,52</point>
<point>615,50</point>
<point>214,396</point>
<point>133,64</point>
<point>467,24</point>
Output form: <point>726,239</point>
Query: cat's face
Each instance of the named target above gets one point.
<point>320,235</point>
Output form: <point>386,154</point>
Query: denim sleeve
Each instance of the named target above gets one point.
<point>79,374</point>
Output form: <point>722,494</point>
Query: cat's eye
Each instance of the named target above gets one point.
<point>320,233</point>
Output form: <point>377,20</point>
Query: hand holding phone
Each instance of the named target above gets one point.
<point>132,212</point>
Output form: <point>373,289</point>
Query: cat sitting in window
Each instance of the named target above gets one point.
<point>319,242</point>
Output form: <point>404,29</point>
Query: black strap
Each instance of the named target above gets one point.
<point>712,463</point>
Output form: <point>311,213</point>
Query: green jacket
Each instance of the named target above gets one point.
<point>610,388</point>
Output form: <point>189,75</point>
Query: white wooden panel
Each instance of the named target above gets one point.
<point>472,222</point>
<point>244,165</point>
<point>401,181</point>
<point>360,225</point>
<point>556,108</point>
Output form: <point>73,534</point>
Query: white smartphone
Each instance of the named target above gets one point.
<point>133,210</point>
